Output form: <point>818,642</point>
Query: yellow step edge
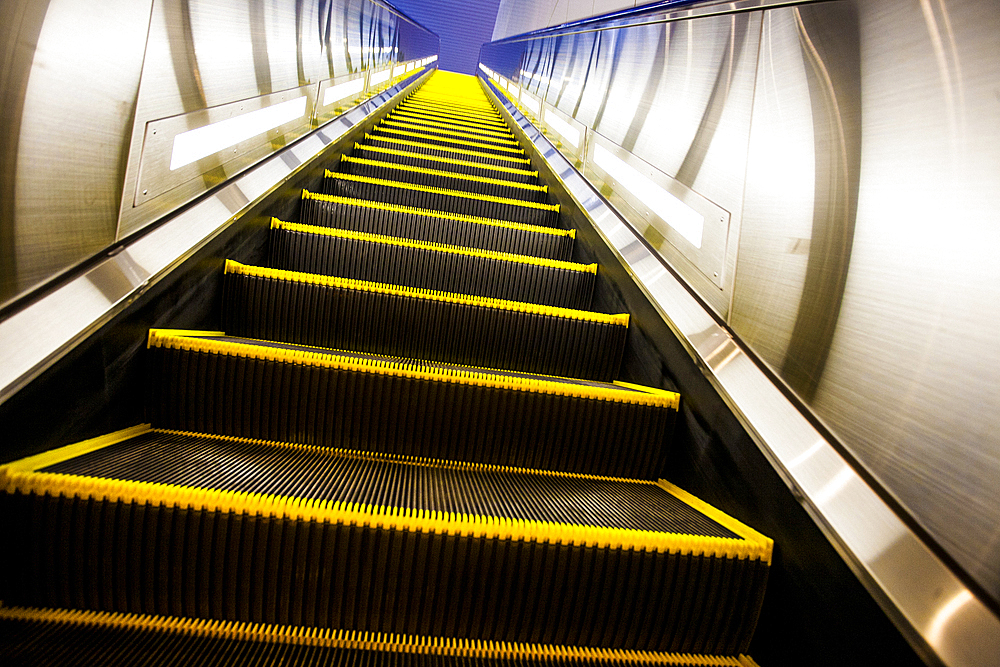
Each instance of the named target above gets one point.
<point>463,142</point>
<point>464,104</point>
<point>427,245</point>
<point>450,149</point>
<point>421,111</point>
<point>766,544</point>
<point>451,111</point>
<point>359,639</point>
<point>52,457</point>
<point>395,124</point>
<point>403,117</point>
<point>446,160</point>
<point>442,191</point>
<point>386,517</point>
<point>409,368</point>
<point>555,231</point>
<point>453,104</point>
<point>401,113</point>
<point>235,268</point>
<point>445,174</point>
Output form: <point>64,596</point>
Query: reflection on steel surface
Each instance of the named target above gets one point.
<point>924,596</point>
<point>863,238</point>
<point>36,336</point>
<point>101,73</point>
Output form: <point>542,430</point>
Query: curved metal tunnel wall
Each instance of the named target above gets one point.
<point>842,157</point>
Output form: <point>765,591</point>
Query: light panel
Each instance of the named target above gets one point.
<point>342,90</point>
<point>568,132</point>
<point>201,142</point>
<point>685,220</point>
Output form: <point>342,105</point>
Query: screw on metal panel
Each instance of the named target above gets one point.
<point>145,191</point>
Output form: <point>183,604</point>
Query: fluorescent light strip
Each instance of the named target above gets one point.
<point>530,103</point>
<point>568,132</point>
<point>342,90</point>
<point>380,77</point>
<point>685,220</point>
<point>201,142</point>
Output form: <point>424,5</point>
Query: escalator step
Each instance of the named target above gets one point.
<point>442,114</point>
<point>425,148</point>
<point>70,638</point>
<point>447,180</point>
<point>381,544</point>
<point>213,383</point>
<point>422,121</point>
<point>436,226</point>
<point>346,314</point>
<point>441,199</point>
<point>395,261</point>
<point>468,167</point>
<point>448,133</point>
<point>445,142</point>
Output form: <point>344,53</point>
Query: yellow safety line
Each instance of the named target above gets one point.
<point>54,456</point>
<point>443,115</point>
<point>402,125</point>
<point>442,191</point>
<point>295,635</point>
<point>446,160</point>
<point>766,544</point>
<point>439,214</point>
<point>428,117</point>
<point>452,102</point>
<point>403,117</point>
<point>444,174</point>
<point>451,111</point>
<point>463,142</point>
<point>410,368</point>
<point>450,149</point>
<point>427,245</point>
<point>235,268</point>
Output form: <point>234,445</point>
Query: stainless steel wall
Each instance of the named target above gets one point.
<point>95,92</point>
<point>855,148</point>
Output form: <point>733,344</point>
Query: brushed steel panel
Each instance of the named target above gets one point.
<point>75,119</point>
<point>945,620</point>
<point>206,57</point>
<point>909,380</point>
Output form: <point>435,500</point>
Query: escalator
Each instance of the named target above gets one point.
<point>408,445</point>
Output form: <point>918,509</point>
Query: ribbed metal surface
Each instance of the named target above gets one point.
<point>429,268</point>
<point>370,411</point>
<point>426,225</point>
<point>391,324</point>
<point>157,558</point>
